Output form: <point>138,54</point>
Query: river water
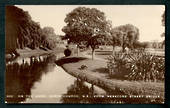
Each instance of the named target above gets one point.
<point>40,80</point>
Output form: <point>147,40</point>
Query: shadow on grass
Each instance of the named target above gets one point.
<point>66,60</point>
<point>104,54</point>
<point>103,51</point>
<point>118,76</point>
<point>101,70</point>
<point>121,75</point>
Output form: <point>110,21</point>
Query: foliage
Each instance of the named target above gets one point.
<point>94,74</point>
<point>140,45</point>
<point>117,63</point>
<point>50,37</point>
<point>147,67</point>
<point>138,66</point>
<point>114,38</point>
<point>163,19</point>
<point>86,24</point>
<point>163,24</point>
<point>22,31</point>
<point>124,35</point>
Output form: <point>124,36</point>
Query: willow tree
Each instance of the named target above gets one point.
<point>86,25</point>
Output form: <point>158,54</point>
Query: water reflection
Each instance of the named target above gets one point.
<point>21,76</point>
<point>83,92</point>
<point>40,76</point>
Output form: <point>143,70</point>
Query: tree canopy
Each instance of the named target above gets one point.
<point>50,36</point>
<point>22,31</point>
<point>163,24</point>
<point>86,24</point>
<point>124,35</point>
<point>140,45</point>
<point>163,19</point>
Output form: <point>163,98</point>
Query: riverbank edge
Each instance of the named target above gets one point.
<point>24,53</point>
<point>145,89</point>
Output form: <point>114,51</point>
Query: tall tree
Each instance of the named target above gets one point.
<point>163,24</point>
<point>16,22</point>
<point>163,19</point>
<point>115,38</point>
<point>86,24</point>
<point>50,36</point>
<point>125,35</point>
<point>24,30</point>
<point>21,31</point>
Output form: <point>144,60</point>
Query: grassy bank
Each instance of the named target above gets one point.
<point>27,52</point>
<point>97,74</point>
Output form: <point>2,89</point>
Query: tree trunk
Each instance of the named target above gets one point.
<point>113,49</point>
<point>123,48</point>
<point>78,50</point>
<point>105,45</point>
<point>93,53</point>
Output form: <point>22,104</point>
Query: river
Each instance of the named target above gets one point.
<point>40,80</point>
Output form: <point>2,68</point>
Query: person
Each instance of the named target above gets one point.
<point>67,52</point>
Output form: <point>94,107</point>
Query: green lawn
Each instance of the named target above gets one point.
<point>97,74</point>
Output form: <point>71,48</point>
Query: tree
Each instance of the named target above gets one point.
<point>163,24</point>
<point>86,25</point>
<point>21,31</point>
<point>125,36</point>
<point>16,21</point>
<point>163,19</point>
<point>155,44</point>
<point>115,38</point>
<point>140,45</point>
<point>50,37</point>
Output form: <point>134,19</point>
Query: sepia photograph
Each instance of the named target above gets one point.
<point>85,54</point>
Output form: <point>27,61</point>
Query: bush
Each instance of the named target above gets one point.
<point>137,66</point>
<point>67,52</point>
<point>147,67</point>
<point>117,64</point>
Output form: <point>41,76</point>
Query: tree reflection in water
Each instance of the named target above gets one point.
<point>20,78</point>
<point>78,92</point>
<point>81,93</point>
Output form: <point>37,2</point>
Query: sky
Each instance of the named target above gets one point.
<point>145,17</point>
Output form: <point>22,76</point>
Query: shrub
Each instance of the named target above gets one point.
<point>137,66</point>
<point>118,64</point>
<point>67,52</point>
